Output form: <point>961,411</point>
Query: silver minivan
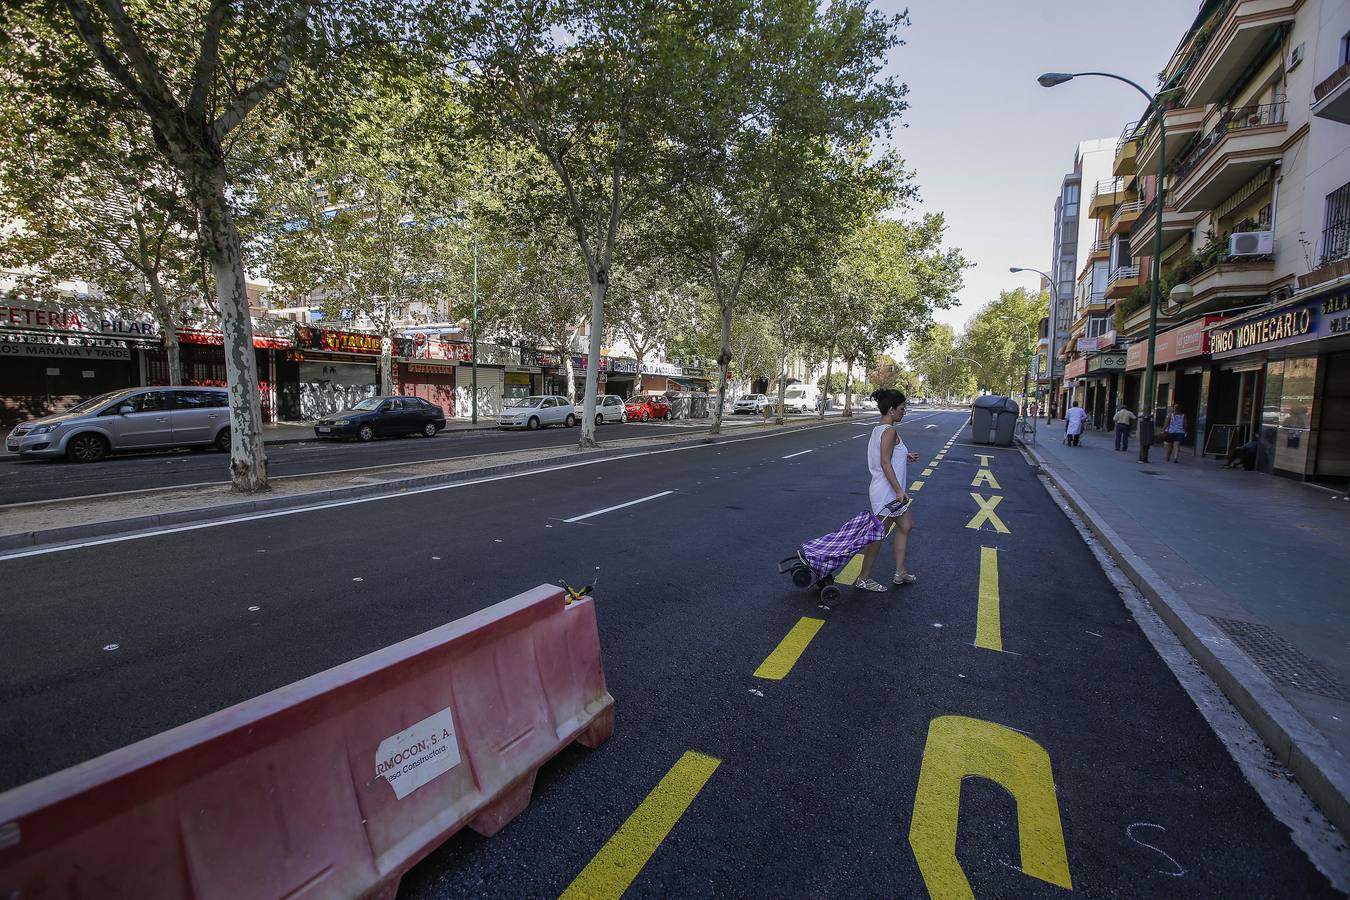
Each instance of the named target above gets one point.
<point>153,418</point>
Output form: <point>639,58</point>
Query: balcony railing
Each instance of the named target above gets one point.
<point>1129,133</point>
<point>1120,273</point>
<point>1233,120</point>
<point>1336,241</point>
<point>1331,82</point>
<point>1125,209</point>
<point>1100,247</point>
<point>1107,186</point>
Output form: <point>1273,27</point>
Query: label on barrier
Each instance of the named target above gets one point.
<point>416,755</point>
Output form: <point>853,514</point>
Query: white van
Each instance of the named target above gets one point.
<point>801,398</point>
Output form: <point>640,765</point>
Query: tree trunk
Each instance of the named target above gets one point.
<point>637,381</point>
<point>723,360</point>
<point>848,389</point>
<point>570,374</point>
<point>248,460</point>
<point>599,283</point>
<point>168,323</point>
<point>825,400</point>
<point>782,389</point>
<point>386,364</point>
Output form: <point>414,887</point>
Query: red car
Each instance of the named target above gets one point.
<point>645,407</point>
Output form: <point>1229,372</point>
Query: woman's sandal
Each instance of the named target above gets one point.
<point>867,584</point>
<point>905,578</point>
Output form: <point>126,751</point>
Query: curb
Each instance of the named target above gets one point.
<point>1318,767</point>
<point>48,537</point>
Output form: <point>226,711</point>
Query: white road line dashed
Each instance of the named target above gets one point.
<point>620,506</point>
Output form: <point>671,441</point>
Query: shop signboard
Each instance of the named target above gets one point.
<point>1336,314</point>
<point>660,368</point>
<point>1278,329</point>
<point>59,345</point>
<point>1086,345</point>
<point>1076,368</point>
<point>216,339</point>
<point>621,365</point>
<point>75,320</point>
<point>1191,339</point>
<point>1107,362</point>
<point>455,351</point>
<point>547,360</point>
<point>694,372</point>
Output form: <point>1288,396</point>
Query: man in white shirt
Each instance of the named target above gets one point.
<point>1074,420</point>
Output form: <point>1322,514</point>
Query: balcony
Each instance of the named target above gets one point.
<point>1124,217</point>
<point>1246,27</point>
<point>1126,148</point>
<point>1175,224</point>
<point>1099,250</point>
<point>1107,195</point>
<point>1123,280</point>
<point>1231,281</point>
<point>1182,123</point>
<point>1331,98</point>
<point>1243,142</point>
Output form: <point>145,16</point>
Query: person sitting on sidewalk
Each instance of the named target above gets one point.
<point>1074,420</point>
<point>1243,455</point>
<point>1124,420</point>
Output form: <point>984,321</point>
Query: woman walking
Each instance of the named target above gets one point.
<point>1176,430</point>
<point>887,461</point>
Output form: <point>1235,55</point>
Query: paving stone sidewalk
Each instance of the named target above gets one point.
<point>1262,558</point>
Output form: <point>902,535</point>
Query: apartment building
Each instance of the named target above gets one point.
<point>1073,243</point>
<point>1255,228</point>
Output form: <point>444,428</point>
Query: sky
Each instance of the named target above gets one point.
<point>989,146</point>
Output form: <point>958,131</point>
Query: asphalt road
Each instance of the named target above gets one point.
<point>28,480</point>
<point>817,792</point>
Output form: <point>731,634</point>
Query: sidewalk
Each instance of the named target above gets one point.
<point>1242,560</point>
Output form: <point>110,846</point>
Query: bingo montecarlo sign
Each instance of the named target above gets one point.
<point>1277,329</point>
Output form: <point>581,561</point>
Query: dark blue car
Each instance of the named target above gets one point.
<point>383,416</point>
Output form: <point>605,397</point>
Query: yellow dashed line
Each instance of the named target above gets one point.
<point>779,663</point>
<point>618,863</point>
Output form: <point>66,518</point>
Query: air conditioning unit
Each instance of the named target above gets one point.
<point>1251,243</point>
<point>1295,57</point>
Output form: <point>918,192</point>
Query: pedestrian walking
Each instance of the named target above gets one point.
<point>1175,432</point>
<point>1124,420</point>
<point>1074,421</point>
<point>887,463</point>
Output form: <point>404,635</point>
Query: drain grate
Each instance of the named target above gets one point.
<point>1282,661</point>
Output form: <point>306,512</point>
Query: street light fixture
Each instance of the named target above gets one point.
<point>1054,328</point>
<point>1147,400</point>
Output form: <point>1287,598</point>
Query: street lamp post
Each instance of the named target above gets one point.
<point>1054,327</point>
<point>1050,79</point>
<point>1031,350</point>
<point>473,341</point>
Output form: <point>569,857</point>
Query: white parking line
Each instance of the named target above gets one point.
<point>620,506</point>
<point>790,455</point>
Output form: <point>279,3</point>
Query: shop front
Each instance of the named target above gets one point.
<point>1075,383</point>
<point>1103,372</point>
<point>52,358</point>
<point>551,378</point>
<point>201,355</point>
<point>1180,376</point>
<point>622,376</point>
<point>330,371</point>
<point>432,372</point>
<point>1291,363</point>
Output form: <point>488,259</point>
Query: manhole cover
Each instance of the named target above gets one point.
<point>1282,661</point>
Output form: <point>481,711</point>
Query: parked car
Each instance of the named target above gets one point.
<point>134,419</point>
<point>381,417</point>
<point>537,411</point>
<point>750,404</point>
<point>645,407</point>
<point>610,408</point>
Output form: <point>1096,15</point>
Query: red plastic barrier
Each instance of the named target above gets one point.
<point>332,786</point>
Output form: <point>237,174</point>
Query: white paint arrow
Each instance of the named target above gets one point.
<point>929,426</point>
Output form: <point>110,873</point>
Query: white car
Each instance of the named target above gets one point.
<point>750,403</point>
<point>609,408</point>
<point>537,411</point>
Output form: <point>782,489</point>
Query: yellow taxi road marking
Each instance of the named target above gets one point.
<point>984,459</point>
<point>988,622</point>
<point>916,486</point>
<point>779,663</point>
<point>959,747</point>
<point>927,473</point>
<point>613,869</point>
<point>984,476</point>
<point>987,514</point>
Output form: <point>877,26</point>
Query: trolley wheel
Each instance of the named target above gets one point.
<point>830,594</point>
<point>801,576</point>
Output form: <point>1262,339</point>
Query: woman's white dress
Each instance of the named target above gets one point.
<point>880,491</point>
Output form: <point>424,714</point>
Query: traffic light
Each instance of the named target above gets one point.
<point>949,359</point>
